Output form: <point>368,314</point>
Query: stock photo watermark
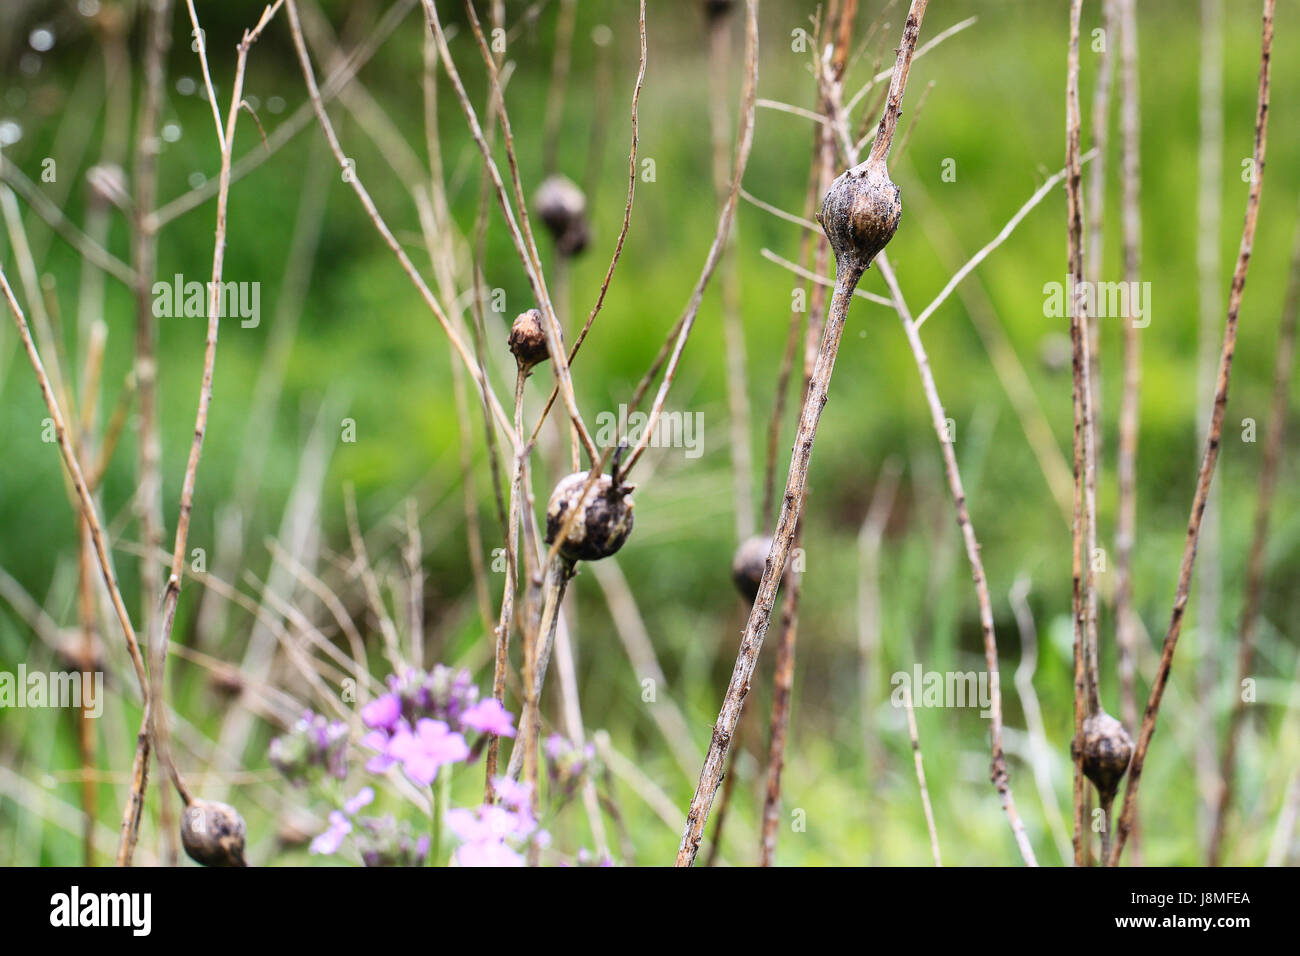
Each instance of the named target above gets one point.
<point>1102,300</point>
<point>942,689</point>
<point>38,689</point>
<point>683,430</point>
<point>181,299</point>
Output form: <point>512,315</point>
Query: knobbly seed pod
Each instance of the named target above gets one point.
<point>860,214</point>
<point>603,524</point>
<point>749,563</point>
<point>213,833</point>
<point>1106,750</point>
<point>528,340</point>
<point>562,207</point>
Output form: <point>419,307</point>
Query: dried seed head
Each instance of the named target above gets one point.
<point>213,833</point>
<point>528,340</point>
<point>562,206</point>
<point>600,528</point>
<point>860,214</point>
<point>1106,749</point>
<point>716,9</point>
<point>749,563</point>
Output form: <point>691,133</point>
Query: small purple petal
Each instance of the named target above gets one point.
<point>489,717</point>
<point>364,798</point>
<point>382,712</point>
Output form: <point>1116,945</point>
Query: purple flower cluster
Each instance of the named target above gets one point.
<point>493,835</point>
<point>311,746</point>
<point>421,722</point>
<point>340,823</point>
<point>381,841</point>
<point>566,763</point>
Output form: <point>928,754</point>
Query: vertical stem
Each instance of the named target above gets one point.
<point>1255,563</point>
<point>1211,455</point>
<point>502,662</point>
<point>791,506</point>
<point>1209,579</point>
<point>1086,697</point>
<point>920,776</point>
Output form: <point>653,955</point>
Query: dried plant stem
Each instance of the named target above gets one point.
<point>1268,473</point>
<point>1211,456</point>
<point>920,776</point>
<point>622,234</point>
<point>783,672</point>
<point>847,277</point>
<point>538,656</point>
<point>520,229</point>
<point>154,725</point>
<point>1086,695</point>
<point>760,615</point>
<point>1096,197</point>
<point>314,94</point>
<point>1006,364</point>
<point>998,772</point>
<point>502,657</point>
<point>782,690</point>
<point>682,330</point>
<point>1208,585</point>
<point>84,494</point>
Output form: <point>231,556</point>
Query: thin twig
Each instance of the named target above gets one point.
<point>1211,456</point>
<point>998,772</point>
<point>849,272</point>
<point>1268,473</point>
<point>920,776</point>
<point>1083,528</point>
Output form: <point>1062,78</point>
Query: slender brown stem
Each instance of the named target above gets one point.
<point>791,506</point>
<point>1086,695</point>
<point>84,495</point>
<point>848,273</point>
<point>998,767</point>
<point>1268,473</point>
<point>502,657</point>
<point>682,330</point>
<point>1208,583</point>
<point>1211,455</point>
<point>354,180</point>
<point>920,776</point>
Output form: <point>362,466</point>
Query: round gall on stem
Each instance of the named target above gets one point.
<point>1106,749</point>
<point>213,833</point>
<point>603,524</point>
<point>860,214</point>
<point>749,563</point>
<point>562,207</point>
<point>527,339</point>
